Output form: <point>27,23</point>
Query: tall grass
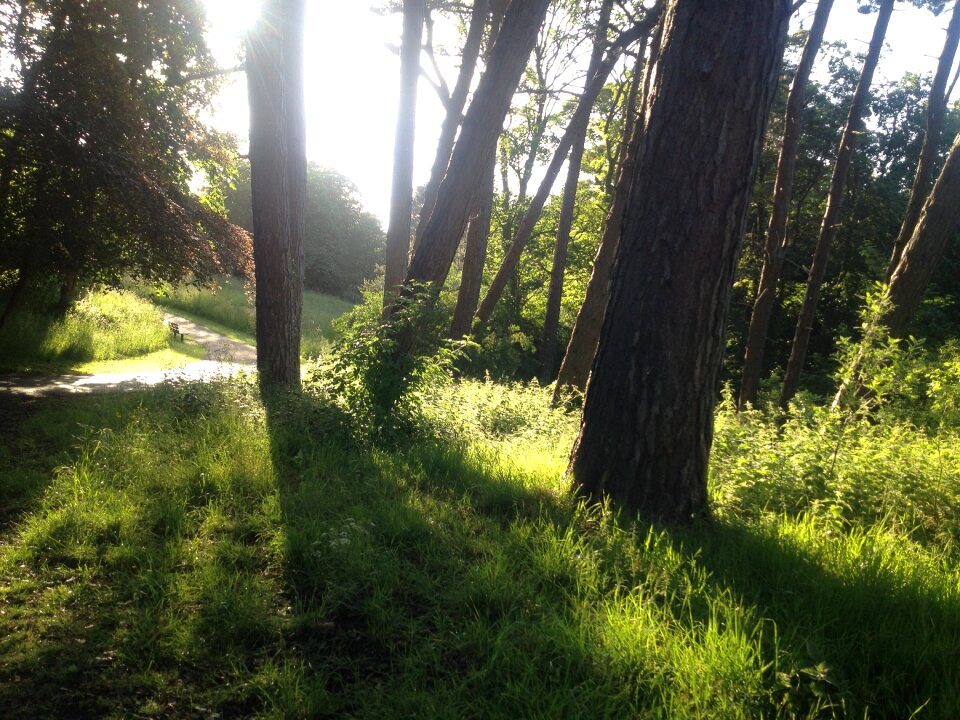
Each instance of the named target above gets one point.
<point>199,551</point>
<point>102,325</point>
<point>230,309</point>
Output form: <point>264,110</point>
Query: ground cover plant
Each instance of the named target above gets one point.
<point>106,330</point>
<point>229,310</point>
<point>200,550</point>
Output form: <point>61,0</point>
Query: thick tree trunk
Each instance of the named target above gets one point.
<point>551,321</point>
<point>478,139</point>
<point>831,217</point>
<point>575,368</point>
<point>401,196</point>
<point>936,111</point>
<point>576,128</point>
<point>454,108</point>
<point>648,412</point>
<point>775,246</point>
<point>938,221</point>
<point>474,257</point>
<point>278,178</point>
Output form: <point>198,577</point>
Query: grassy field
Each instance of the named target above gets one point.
<point>196,552</point>
<point>107,331</point>
<point>230,311</point>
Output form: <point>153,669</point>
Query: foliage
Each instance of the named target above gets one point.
<point>194,550</point>
<point>342,243</point>
<point>99,140</point>
<point>103,325</point>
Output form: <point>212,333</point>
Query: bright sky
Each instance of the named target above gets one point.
<point>352,79</point>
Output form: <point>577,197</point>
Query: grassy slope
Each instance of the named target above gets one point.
<point>230,312</point>
<point>107,331</point>
<point>194,552</point>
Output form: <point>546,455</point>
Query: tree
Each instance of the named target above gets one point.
<point>835,198</point>
<point>478,137</point>
<point>648,412</point>
<point>936,111</point>
<point>775,245</point>
<point>87,196</point>
<point>548,343</point>
<point>401,197</point>
<point>938,222</point>
<point>278,182</point>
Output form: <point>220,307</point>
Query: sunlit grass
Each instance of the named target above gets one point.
<point>229,310</point>
<point>192,548</point>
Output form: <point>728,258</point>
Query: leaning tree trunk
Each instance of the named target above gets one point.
<point>648,412</point>
<point>936,110</point>
<point>831,217</point>
<point>454,109</point>
<point>401,196</point>
<point>278,178</point>
<point>575,128</point>
<point>478,139</point>
<point>582,347</point>
<point>938,221</point>
<point>775,246</point>
<point>551,321</point>
<point>474,257</point>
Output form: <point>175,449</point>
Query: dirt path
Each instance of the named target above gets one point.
<point>225,357</point>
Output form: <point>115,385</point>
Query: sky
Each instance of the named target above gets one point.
<point>352,79</point>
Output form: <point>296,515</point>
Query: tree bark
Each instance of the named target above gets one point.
<point>938,221</point>
<point>478,139</point>
<point>831,217</point>
<point>551,321</point>
<point>474,257</point>
<point>936,111</point>
<point>401,196</point>
<point>775,246</point>
<point>576,127</point>
<point>647,420</point>
<point>278,179</point>
<point>454,108</point>
<point>575,368</point>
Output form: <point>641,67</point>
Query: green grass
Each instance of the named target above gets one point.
<point>230,311</point>
<point>192,552</point>
<point>107,331</point>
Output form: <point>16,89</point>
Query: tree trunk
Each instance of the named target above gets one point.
<point>648,412</point>
<point>938,221</point>
<point>401,196</point>
<point>831,217</point>
<point>474,257</point>
<point>551,321</point>
<point>278,178</point>
<point>582,347</point>
<point>775,246</point>
<point>478,139</point>
<point>577,127</point>
<point>454,108</point>
<point>936,110</point>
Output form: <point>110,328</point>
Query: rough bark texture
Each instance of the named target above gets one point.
<point>551,321</point>
<point>575,368</point>
<point>577,127</point>
<point>936,110</point>
<point>478,139</point>
<point>401,195</point>
<point>278,176</point>
<point>775,245</point>
<point>454,108</point>
<point>938,222</point>
<point>648,412</point>
<point>474,257</point>
<point>831,216</point>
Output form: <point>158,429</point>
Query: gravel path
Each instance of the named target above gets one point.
<point>225,357</point>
